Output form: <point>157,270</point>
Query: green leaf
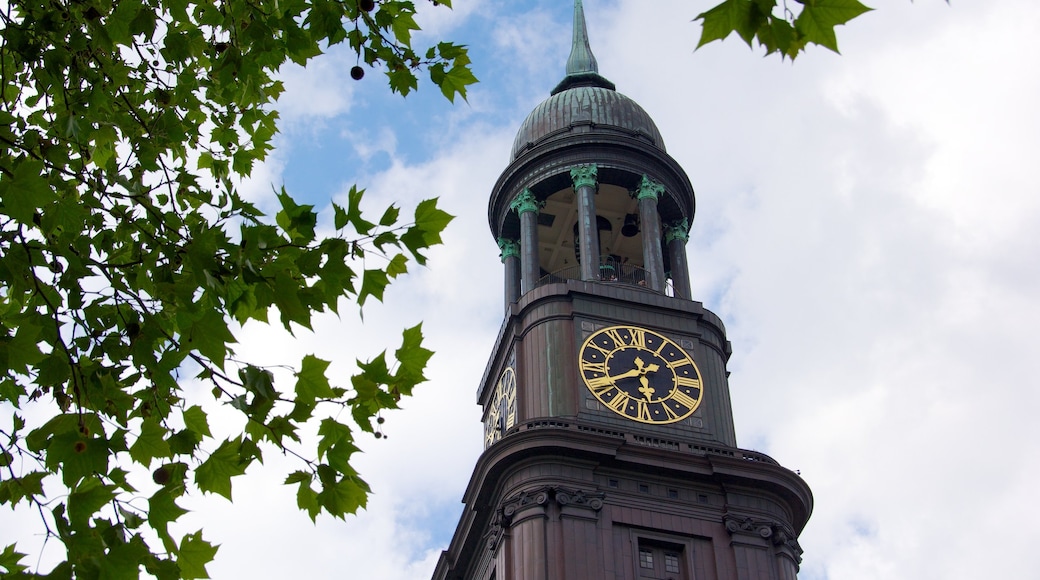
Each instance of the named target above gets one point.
<point>195,421</point>
<point>457,79</point>
<point>413,357</point>
<point>332,433</point>
<point>373,284</point>
<point>343,497</point>
<point>77,456</point>
<point>209,335</point>
<point>25,487</point>
<point>819,17</point>
<point>398,265</point>
<point>430,221</point>
<point>151,443</point>
<point>214,475</point>
<point>727,17</point>
<point>361,225</point>
<point>162,510</point>
<point>27,192</point>
<point>296,220</point>
<point>390,216</point>
<point>88,497</point>
<point>193,556</point>
<point>340,216</point>
<point>10,561</point>
<point>311,382</point>
<point>307,499</point>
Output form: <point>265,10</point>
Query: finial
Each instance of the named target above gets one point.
<point>582,69</point>
<point>581,60</point>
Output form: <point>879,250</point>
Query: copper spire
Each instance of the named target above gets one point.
<point>582,69</point>
<point>581,60</point>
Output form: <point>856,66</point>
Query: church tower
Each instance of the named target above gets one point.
<point>610,450</point>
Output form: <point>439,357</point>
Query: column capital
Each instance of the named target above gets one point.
<point>508,248</point>
<point>679,230</point>
<point>779,534</point>
<point>585,176</point>
<point>526,202</point>
<point>648,188</point>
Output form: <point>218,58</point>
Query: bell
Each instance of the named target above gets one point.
<point>631,227</point>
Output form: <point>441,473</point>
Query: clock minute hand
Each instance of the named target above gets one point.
<point>626,374</point>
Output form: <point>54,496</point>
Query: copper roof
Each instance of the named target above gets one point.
<point>588,109</point>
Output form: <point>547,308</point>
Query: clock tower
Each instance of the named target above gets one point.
<point>610,450</point>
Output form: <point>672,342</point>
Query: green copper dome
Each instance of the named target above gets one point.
<point>584,101</point>
<point>585,109</point>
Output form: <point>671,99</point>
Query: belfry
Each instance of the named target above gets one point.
<point>610,450</point>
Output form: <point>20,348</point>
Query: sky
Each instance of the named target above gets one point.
<point>867,228</point>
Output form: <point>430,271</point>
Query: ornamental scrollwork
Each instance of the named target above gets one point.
<point>778,534</point>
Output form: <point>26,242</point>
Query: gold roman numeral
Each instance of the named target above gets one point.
<point>588,366</point>
<point>615,336</point>
<point>638,337</point>
<point>685,400</point>
<point>688,382</point>
<point>600,384</point>
<point>643,411</point>
<point>678,363</point>
<point>618,403</point>
<point>602,350</point>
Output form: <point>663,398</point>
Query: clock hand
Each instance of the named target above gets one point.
<point>626,374</point>
<point>646,389</point>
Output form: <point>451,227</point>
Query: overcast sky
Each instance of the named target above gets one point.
<point>867,228</point>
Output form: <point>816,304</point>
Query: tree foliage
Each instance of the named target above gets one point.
<point>787,33</point>
<point>129,262</point>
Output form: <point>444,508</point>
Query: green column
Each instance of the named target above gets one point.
<point>526,205</point>
<point>585,185</point>
<point>653,257</point>
<point>676,234</point>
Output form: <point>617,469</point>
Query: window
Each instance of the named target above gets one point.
<point>644,488</point>
<point>671,562</point>
<point>661,560</point>
<point>613,483</point>
<point>673,494</point>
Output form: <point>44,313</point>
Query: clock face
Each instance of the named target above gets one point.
<point>640,375</point>
<point>502,411</point>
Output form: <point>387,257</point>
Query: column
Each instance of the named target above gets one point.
<point>650,222</point>
<point>676,234</point>
<point>509,252</point>
<point>526,205</point>
<point>585,185</point>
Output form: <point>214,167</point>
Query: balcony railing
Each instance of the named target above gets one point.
<point>611,271</point>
